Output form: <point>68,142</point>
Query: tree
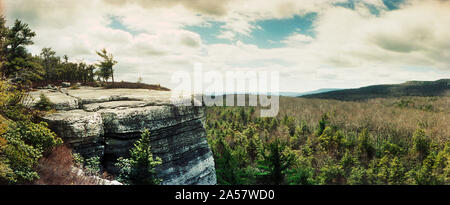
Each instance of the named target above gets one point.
<point>50,63</point>
<point>3,33</point>
<point>106,65</point>
<point>275,163</point>
<point>18,63</point>
<point>140,167</point>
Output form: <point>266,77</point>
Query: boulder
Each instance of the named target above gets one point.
<point>65,84</point>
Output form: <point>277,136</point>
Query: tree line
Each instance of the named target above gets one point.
<point>24,68</point>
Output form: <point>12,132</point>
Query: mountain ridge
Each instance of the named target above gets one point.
<point>409,88</point>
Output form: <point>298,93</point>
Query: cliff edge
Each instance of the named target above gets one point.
<point>107,122</point>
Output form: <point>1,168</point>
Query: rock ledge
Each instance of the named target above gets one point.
<point>107,122</point>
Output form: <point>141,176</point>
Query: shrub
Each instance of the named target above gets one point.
<point>322,124</point>
<point>26,143</point>
<point>421,143</point>
<point>365,146</point>
<point>390,171</point>
<point>93,166</point>
<point>348,160</point>
<point>44,103</point>
<point>140,167</point>
<point>6,173</point>
<point>37,135</point>
<point>358,176</point>
<point>331,174</point>
<point>392,149</point>
<point>425,175</point>
<point>22,159</point>
<point>78,160</point>
<point>301,176</point>
<point>331,139</point>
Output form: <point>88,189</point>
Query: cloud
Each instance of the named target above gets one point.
<point>209,7</point>
<point>297,39</point>
<point>349,48</point>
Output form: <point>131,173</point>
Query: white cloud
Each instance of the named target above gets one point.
<point>297,39</point>
<point>350,47</point>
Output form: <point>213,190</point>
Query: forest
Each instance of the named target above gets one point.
<point>394,141</point>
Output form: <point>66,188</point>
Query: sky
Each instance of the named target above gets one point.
<point>313,44</point>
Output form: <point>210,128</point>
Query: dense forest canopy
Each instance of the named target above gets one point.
<point>321,142</point>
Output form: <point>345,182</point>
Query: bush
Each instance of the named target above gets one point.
<point>44,103</point>
<point>421,143</point>
<point>93,166</point>
<point>301,176</point>
<point>37,135</point>
<point>365,145</point>
<point>358,176</point>
<point>21,158</point>
<point>140,167</point>
<point>26,142</point>
<point>426,175</point>
<point>78,160</point>
<point>57,169</point>
<point>331,174</point>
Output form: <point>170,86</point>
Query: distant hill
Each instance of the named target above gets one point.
<point>410,88</point>
<point>322,90</point>
<point>298,94</point>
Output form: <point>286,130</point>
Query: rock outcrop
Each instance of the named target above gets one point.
<point>107,122</point>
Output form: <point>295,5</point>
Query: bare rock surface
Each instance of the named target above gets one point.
<point>107,122</point>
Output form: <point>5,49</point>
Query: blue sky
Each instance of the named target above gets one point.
<point>271,32</point>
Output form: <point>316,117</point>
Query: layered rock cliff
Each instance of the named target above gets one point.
<point>107,122</point>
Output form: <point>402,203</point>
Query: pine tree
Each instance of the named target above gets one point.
<point>106,65</point>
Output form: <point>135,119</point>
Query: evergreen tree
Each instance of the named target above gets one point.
<point>140,167</point>
<point>17,62</point>
<point>276,161</point>
<point>106,65</point>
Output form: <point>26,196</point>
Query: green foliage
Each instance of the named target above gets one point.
<point>365,145</point>
<point>322,124</point>
<point>26,143</point>
<point>17,63</point>
<point>92,166</point>
<point>78,160</point>
<point>21,159</point>
<point>301,176</point>
<point>421,143</point>
<point>277,159</point>
<point>22,142</point>
<point>140,167</point>
<point>331,174</point>
<point>106,65</point>
<point>44,103</point>
<point>357,176</point>
<point>265,151</point>
<point>330,139</point>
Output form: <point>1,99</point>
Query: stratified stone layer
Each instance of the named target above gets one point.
<point>107,122</point>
